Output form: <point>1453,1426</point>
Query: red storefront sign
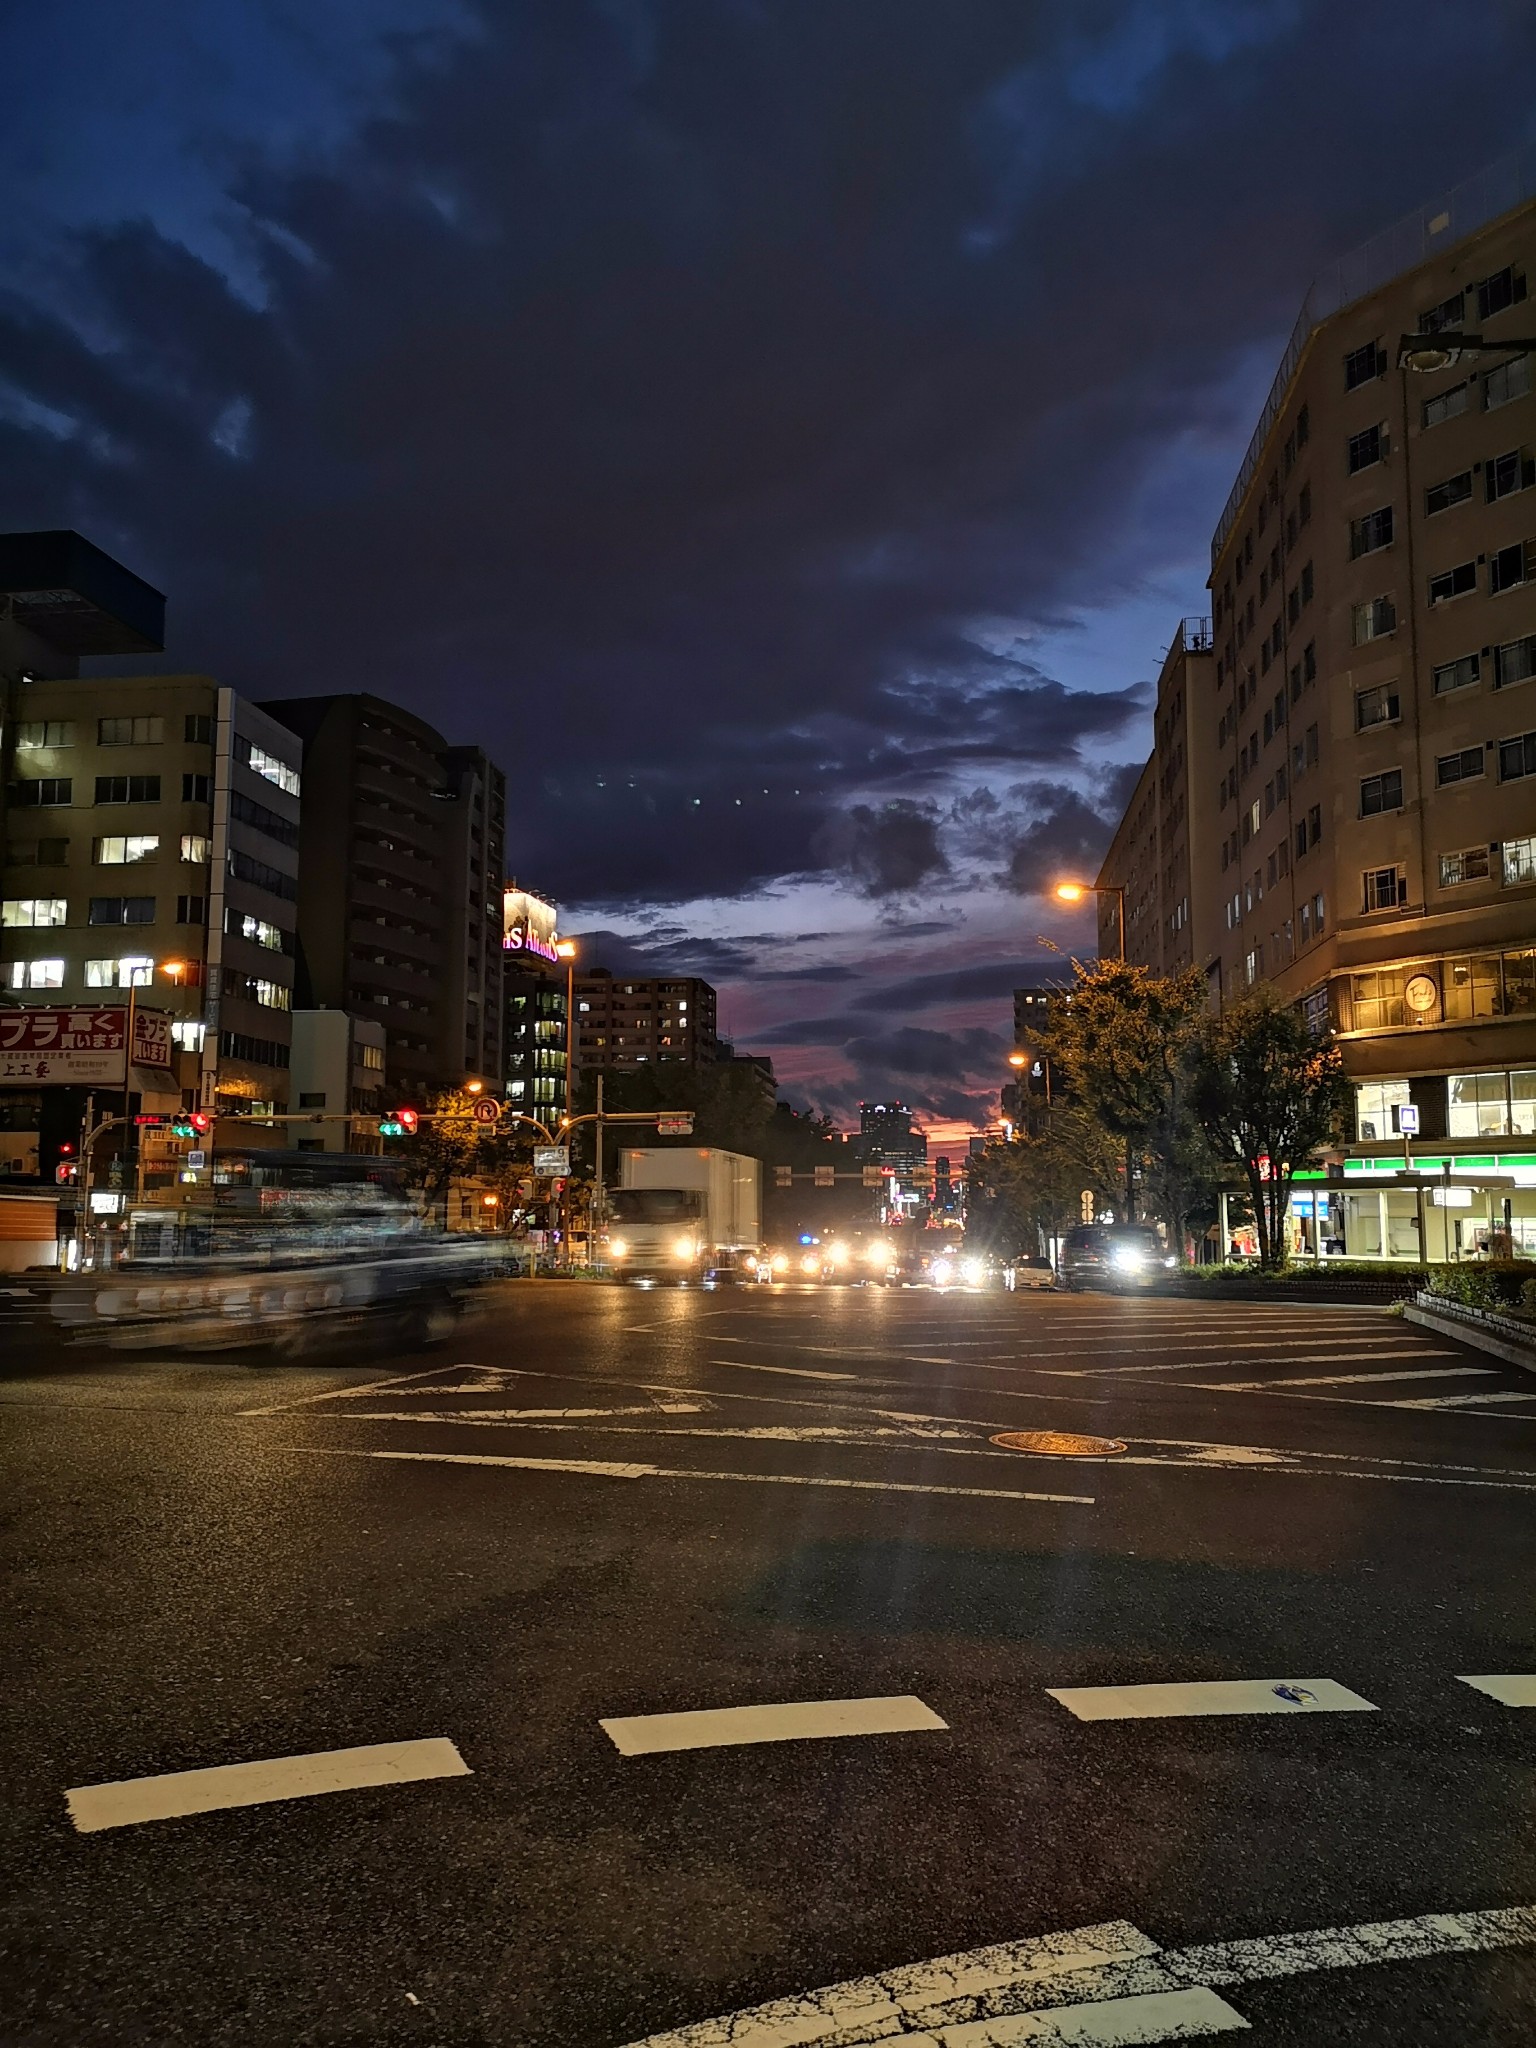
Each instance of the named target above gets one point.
<point>79,1046</point>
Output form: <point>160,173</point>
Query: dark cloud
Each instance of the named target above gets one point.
<point>947,988</point>
<point>888,851</point>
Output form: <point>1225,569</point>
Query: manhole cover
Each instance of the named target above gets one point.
<point>1058,1443</point>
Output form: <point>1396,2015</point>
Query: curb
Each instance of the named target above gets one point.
<point>1474,1334</point>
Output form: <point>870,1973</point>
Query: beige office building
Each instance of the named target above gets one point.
<point>1360,762</point>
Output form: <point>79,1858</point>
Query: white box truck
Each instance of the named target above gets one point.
<point>684,1212</point>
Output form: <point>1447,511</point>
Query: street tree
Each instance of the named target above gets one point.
<point>1270,1095</point>
<point>1122,1043</point>
<point>1029,1189</point>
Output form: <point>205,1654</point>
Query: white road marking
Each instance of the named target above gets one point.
<point>908,1433</point>
<point>1463,1401</point>
<point>1224,1696</point>
<point>1362,1379</point>
<point>598,1468</point>
<point>793,1721</point>
<point>399,1379</point>
<point>131,1800</point>
<point>1510,1689</point>
<point>1102,1987</point>
<point>1188,1363</point>
<point>795,1372</point>
<point>517,1414</point>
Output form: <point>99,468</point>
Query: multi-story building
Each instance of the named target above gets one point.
<point>630,1022</point>
<point>400,907</point>
<point>886,1136</point>
<point>533,997</point>
<point>1361,765</point>
<point>338,1075</point>
<point>1148,874</point>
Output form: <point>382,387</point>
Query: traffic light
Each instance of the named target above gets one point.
<point>398,1123</point>
<point>407,1121</point>
<point>190,1123</point>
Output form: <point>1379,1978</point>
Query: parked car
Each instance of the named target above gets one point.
<point>1113,1255</point>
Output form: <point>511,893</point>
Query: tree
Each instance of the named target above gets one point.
<point>450,1145</point>
<point>1031,1187</point>
<point>1269,1095</point>
<point>1122,1042</point>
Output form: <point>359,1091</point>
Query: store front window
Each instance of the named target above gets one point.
<point>1375,1102</point>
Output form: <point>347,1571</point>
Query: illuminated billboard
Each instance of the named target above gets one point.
<point>527,924</point>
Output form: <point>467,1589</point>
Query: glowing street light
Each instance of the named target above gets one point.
<point>1078,892</point>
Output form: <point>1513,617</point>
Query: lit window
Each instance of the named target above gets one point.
<point>42,733</point>
<point>37,974</point>
<point>27,912</point>
<point>270,769</point>
<point>1519,860</point>
<point>1470,865</point>
<point>194,848</point>
<point>1376,1107</point>
<point>188,1033</point>
<point>121,850</point>
<point>133,971</point>
<point>1477,1106</point>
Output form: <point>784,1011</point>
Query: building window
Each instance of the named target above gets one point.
<point>1454,490</point>
<point>312,1098</point>
<point>1461,767</point>
<point>197,729</point>
<point>125,850</point>
<point>196,789</point>
<point>1381,793</point>
<point>1376,1000</point>
<point>130,732</point>
<point>1472,988</point>
<point>1371,620</point>
<point>39,853</point>
<point>1506,474</point>
<point>1518,861</point>
<point>1449,313</point>
<point>1458,582</point>
<point>127,789</point>
<point>1445,405</point>
<point>1361,365</point>
<point>1376,1107</point>
<point>1511,566</point>
<point>267,766</point>
<point>1455,675</point>
<point>135,970</point>
<point>39,734</point>
<point>1507,383</point>
<point>191,909</point>
<point>46,792</point>
<point>1477,1105</point>
<point>248,812</point>
<point>1517,757</point>
<point>1514,662</point>
<point>1498,293</point>
<point>371,1057</point>
<point>1371,533</point>
<point>1383,888</point>
<point>188,1033</point>
<point>27,913</point>
<point>36,973</point>
<point>1367,449</point>
<point>1470,865</point>
<point>1376,706</point>
<point>194,848</point>
<point>122,910</point>
<point>260,932</point>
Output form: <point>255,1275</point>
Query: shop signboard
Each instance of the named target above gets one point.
<point>79,1046</point>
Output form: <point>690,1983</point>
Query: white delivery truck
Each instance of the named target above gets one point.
<point>684,1212</point>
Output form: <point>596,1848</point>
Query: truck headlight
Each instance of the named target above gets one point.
<point>683,1248</point>
<point>617,1248</point>
<point>877,1255</point>
<point>779,1263</point>
<point>943,1272</point>
<point>810,1263</point>
<point>838,1254</point>
<point>972,1272</point>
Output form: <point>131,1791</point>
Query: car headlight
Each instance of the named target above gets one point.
<point>1127,1258</point>
<point>972,1272</point>
<point>617,1248</point>
<point>810,1263</point>
<point>838,1254</point>
<point>779,1263</point>
<point>683,1248</point>
<point>943,1272</point>
<point>878,1255</point>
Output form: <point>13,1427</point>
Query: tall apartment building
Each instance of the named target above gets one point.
<point>400,905</point>
<point>151,839</point>
<point>1160,843</point>
<point>533,984</point>
<point>886,1136</point>
<point>630,1022</point>
<point>1364,785</point>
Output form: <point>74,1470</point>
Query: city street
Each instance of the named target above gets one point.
<point>499,1567</point>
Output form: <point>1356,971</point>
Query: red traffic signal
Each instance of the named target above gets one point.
<point>199,1120</point>
<point>406,1118</point>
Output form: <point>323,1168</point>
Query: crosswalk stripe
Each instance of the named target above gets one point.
<point>1510,1689</point>
<point>1464,1401</point>
<point>1220,1696</point>
<point>1366,1379</point>
<point>793,1721</point>
<point>130,1800</point>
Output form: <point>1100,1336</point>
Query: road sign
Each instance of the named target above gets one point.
<point>783,1176</point>
<point>552,1162</point>
<point>196,1158</point>
<point>674,1127</point>
<point>873,1176</point>
<point>826,1176</point>
<point>1408,1118</point>
<point>921,1176</point>
<point>487,1110</point>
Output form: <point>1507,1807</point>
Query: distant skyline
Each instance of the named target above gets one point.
<point>785,438</point>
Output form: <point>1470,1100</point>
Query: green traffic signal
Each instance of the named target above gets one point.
<point>391,1127</point>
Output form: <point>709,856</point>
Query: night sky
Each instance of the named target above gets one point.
<point>783,432</point>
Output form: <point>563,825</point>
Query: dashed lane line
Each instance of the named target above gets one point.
<point>1361,1379</point>
<point>1509,1688</point>
<point>130,1800</point>
<point>796,1372</point>
<point>603,1469</point>
<point>1106,1986</point>
<point>1220,1696</point>
<point>791,1721</point>
<point>1186,1361</point>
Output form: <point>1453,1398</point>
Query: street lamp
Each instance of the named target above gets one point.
<point>1427,353</point>
<point>1076,892</point>
<point>1019,1059</point>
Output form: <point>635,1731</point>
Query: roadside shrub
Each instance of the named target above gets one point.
<point>1493,1284</point>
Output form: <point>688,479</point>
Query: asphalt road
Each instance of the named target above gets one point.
<point>492,1566</point>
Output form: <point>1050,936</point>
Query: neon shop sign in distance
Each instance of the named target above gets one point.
<point>523,939</point>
